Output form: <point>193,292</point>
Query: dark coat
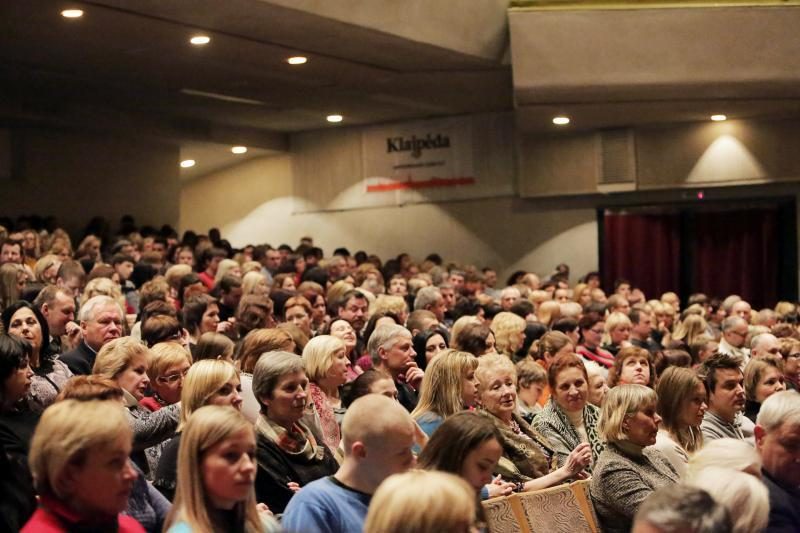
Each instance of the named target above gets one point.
<point>80,360</point>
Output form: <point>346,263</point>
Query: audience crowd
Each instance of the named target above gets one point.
<point>151,383</point>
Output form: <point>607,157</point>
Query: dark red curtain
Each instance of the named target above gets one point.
<point>643,248</point>
<point>736,252</point>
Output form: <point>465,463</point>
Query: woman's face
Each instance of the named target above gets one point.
<point>229,469</point>
<point>299,265</point>
<point>134,378</point>
<point>288,284</point>
<point>185,257</point>
<point>169,385</point>
<point>228,394</point>
<point>585,297</point>
<point>490,344</point>
<point>593,335</point>
<point>22,279</point>
<point>499,394</point>
<point>771,382</point>
<point>24,324</point>
<point>319,309</point>
<point>210,319</point>
<point>620,334</point>
<point>433,346</point>
<point>598,387</point>
<point>398,286</point>
<point>516,340</point>
<point>101,485</point>
<point>642,427</point>
<point>342,329</point>
<point>571,389</point>
<point>635,370</point>
<point>50,273</point>
<point>298,316</point>
<point>337,373</point>
<point>694,407</point>
<point>384,387</point>
<point>288,400</point>
<point>235,271</point>
<point>17,384</point>
<point>480,463</point>
<point>469,389</point>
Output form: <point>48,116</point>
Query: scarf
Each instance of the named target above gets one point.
<point>297,441</point>
<point>327,418</point>
<point>555,417</point>
<point>530,453</point>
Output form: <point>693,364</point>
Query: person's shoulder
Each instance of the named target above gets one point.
<point>129,524</point>
<point>180,527</point>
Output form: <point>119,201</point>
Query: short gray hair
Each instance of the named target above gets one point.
<point>780,408</point>
<point>270,368</point>
<point>384,337</point>
<point>684,508</point>
<point>731,322</point>
<point>94,304</point>
<point>426,296</point>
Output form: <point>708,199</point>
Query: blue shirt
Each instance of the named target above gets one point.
<point>326,506</point>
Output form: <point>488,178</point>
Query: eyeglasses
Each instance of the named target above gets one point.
<point>598,331</point>
<point>171,379</point>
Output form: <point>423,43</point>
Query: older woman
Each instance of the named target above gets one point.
<point>682,402</point>
<point>618,331</point>
<point>632,365</point>
<point>49,373</point>
<point>325,360</point>
<point>509,332</point>
<point>169,363</point>
<point>255,344</point>
<point>592,327</point>
<point>629,469</point>
<point>289,454</point>
<point>254,283</point>
<point>297,310</point>
<point>125,361</point>
<point>762,379</point>
<point>529,458</point>
<point>79,459</point>
<point>790,350</point>
<point>568,419</point>
<point>598,382</point>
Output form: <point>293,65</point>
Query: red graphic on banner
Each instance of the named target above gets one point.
<point>421,184</point>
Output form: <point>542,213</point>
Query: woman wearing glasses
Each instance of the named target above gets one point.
<point>592,328</point>
<point>169,363</point>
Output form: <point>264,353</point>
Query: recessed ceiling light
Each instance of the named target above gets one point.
<point>199,40</point>
<point>297,60</point>
<point>72,13</point>
<point>718,118</point>
<point>334,118</point>
<point>561,121</point>
<point>188,163</point>
<point>239,149</point>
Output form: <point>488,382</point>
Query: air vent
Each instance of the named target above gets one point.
<point>618,157</point>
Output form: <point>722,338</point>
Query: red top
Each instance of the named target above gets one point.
<point>599,356</point>
<point>54,517</point>
<point>207,280</point>
<point>150,403</point>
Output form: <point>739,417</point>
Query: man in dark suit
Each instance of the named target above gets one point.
<point>101,322</point>
<point>777,433</point>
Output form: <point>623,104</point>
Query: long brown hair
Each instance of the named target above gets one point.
<point>675,389</point>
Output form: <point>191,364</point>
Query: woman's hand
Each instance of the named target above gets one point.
<point>294,487</point>
<point>580,458</point>
<point>263,509</point>
<point>225,326</point>
<point>498,487</point>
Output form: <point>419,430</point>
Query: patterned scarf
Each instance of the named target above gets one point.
<point>531,454</point>
<point>298,441</point>
<point>327,418</point>
<point>556,418</point>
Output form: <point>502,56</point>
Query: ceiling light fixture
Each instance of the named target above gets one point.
<point>334,118</point>
<point>72,13</point>
<point>718,118</point>
<point>239,149</point>
<point>560,121</point>
<point>297,60</point>
<point>188,163</point>
<point>199,40</point>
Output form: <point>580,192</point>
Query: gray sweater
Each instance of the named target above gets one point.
<point>624,476</point>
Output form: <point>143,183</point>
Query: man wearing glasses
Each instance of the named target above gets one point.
<point>734,334</point>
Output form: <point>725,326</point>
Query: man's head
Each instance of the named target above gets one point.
<point>71,277</point>
<point>101,321</point>
<point>353,307</point>
<point>449,294</point>
<point>391,349</point>
<point>725,385</point>
<point>58,308</point>
<point>681,508</point>
<point>777,435</point>
<point>742,309</point>
<point>377,446</point>
<point>421,320</point>
<point>622,287</point>
<point>508,297</point>
<point>489,277</point>
<point>642,324</point>
<point>123,266</point>
<point>456,279</point>
<point>11,252</point>
<point>734,331</point>
<point>430,298</point>
<point>272,260</point>
<point>765,345</point>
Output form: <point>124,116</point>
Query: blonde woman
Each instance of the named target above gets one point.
<point>169,363</point>
<point>79,461</point>
<point>509,332</point>
<point>618,331</point>
<point>208,382</point>
<point>688,329</point>
<point>762,379</point>
<point>449,386</point>
<point>391,304</point>
<point>547,312</point>
<point>255,283</point>
<point>104,287</point>
<point>682,402</point>
<point>216,473</point>
<point>12,282</point>
<point>227,267</point>
<point>325,359</point>
<point>422,501</point>
<point>46,269</point>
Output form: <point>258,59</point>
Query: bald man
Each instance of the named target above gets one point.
<point>375,447</point>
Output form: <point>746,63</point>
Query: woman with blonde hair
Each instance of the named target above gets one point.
<point>227,267</point>
<point>255,283</point>
<point>167,368</point>
<point>208,382</point>
<point>682,402</point>
<point>744,496</point>
<point>325,359</point>
<point>391,304</point>
<point>79,461</point>
<point>12,282</point>
<point>736,454</point>
<point>46,269</point>
<point>688,330</point>
<point>423,501</point>
<point>582,293</point>
<point>449,386</point>
<point>547,312</point>
<point>618,331</point>
<point>216,474</point>
<point>89,248</point>
<point>551,345</point>
<point>509,332</point>
<point>255,344</point>
<point>104,287</point>
<point>762,378</point>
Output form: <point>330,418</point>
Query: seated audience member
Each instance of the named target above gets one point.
<point>167,368</point>
<point>568,419</point>
<point>449,386</point>
<point>201,315</point>
<point>101,322</point>
<point>49,372</point>
<point>598,383</point>
<point>681,509</point>
<point>374,448</point>
<point>254,312</point>
<point>778,443</point>
<point>17,420</point>
<point>617,333</point>
<point>762,379</point>
<point>370,382</point>
<point>548,312</point>
<point>209,261</point>
<point>297,310</point>
<point>681,404</point>
<point>687,331</point>
<point>569,327</point>
<point>216,473</point>
<point>592,327</point>
<point>163,328</point>
<point>421,320</point>
<point>12,283</point>
<point>421,501</point>
<point>428,344</point>
<point>509,333</point>
<point>208,382</point>
<point>664,359</point>
<point>125,361</point>
<point>255,344</point>
<point>529,459</point>
<point>79,460</point>
<point>551,345</point>
<point>342,330</point>
<point>701,348</point>
<point>531,381</point>
<point>58,308</point>
<point>642,329</point>
<point>533,333</point>
<point>393,353</point>
<point>744,496</point>
<point>468,445</point>
<point>629,469</point>
<point>732,343</point>
<point>724,453</point>
<point>477,339</point>
<point>726,398</point>
<point>289,454</point>
<point>632,366</point>
<point>299,338</point>
<point>790,351</point>
<point>325,361</point>
<point>214,346</point>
